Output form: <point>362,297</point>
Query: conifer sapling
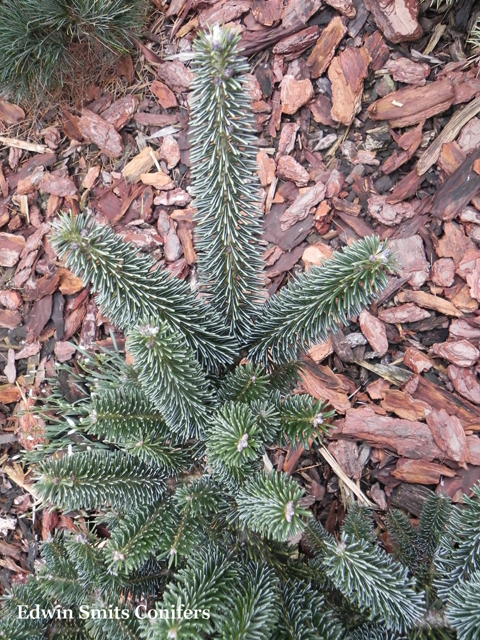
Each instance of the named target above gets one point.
<point>225,182</point>
<point>169,453</point>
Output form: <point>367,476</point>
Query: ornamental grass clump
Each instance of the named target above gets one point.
<point>181,528</point>
<point>44,42</point>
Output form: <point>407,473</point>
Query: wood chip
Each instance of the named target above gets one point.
<point>324,384</point>
<point>462,329</point>
<point>410,255</point>
<point>465,382</point>
<point>377,48</point>
<point>447,134</point>
<point>412,105</point>
<point>186,239</point>
<point>449,435</point>
<point>459,352</point>
<point>347,73</point>
<point>451,157</point>
<point>460,296</point>
<point>57,185</point>
<point>9,319</point>
<point>404,406</point>
<point>289,169</point>
<point>410,439</point>
<point>295,93</point>
<point>378,496</point>
<point>405,188</point>
<point>345,7</point>
<point>170,151</point>
<point>316,254</point>
<point>439,398</point>
<point>457,190</point>
<point>320,351</point>
<point>405,313</point>
<point>399,21</point>
<point>223,12</point>
<point>267,12</point>
<point>416,360</point>
<point>288,136</point>
<point>409,142</point>
<point>469,138</point>
<point>176,75</point>
<point>177,197</point>
<point>52,137</point>
<point>297,42</point>
<point>69,284</point>
<point>120,112</point>
<point>125,68</point>
<point>299,12</point>
<point>443,272</point>
<point>428,301</point>
<point>377,390</point>
<point>147,119</point>
<point>321,109</point>
<point>29,350</point>
<point>266,168</point>
<point>101,133</point>
<point>39,315</point>
<point>11,550</point>
<point>164,95</point>
<point>91,177</point>
<point>469,270</point>
<point>346,454</point>
<point>10,393</point>
<point>374,331</point>
<point>159,180</point>
<point>473,455</point>
<point>324,50</point>
<point>409,72</point>
<point>389,214</point>
<point>454,243</point>
<point>64,351</point>
<point>31,427</point>
<point>140,164</point>
<point>421,472</point>
<point>11,113</point>
<point>11,246</point>
<point>301,206</point>
<point>10,299</point>
<point>74,319</point>
<point>172,247</point>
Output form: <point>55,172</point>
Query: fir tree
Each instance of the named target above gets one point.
<point>459,554</point>
<point>225,183</point>
<point>318,301</point>
<point>166,460</point>
<point>416,548</point>
<point>302,418</point>
<point>366,575</point>
<point>92,479</point>
<point>245,383</point>
<point>183,397</point>
<point>201,586</point>
<point>130,290</point>
<point>254,611</point>
<point>235,441</point>
<point>270,505</point>
<point>304,614</point>
<point>464,605</point>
